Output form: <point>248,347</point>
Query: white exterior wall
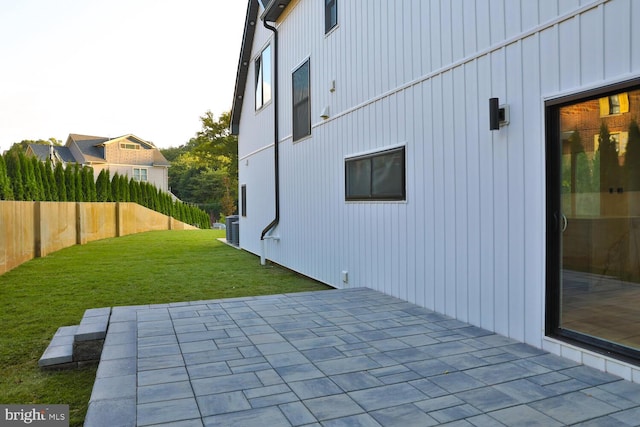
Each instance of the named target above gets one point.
<point>255,153</point>
<point>470,239</point>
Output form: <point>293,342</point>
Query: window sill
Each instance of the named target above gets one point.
<point>331,31</point>
<point>263,107</point>
<point>375,202</point>
<point>304,138</point>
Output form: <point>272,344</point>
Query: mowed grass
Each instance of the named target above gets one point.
<point>149,268</point>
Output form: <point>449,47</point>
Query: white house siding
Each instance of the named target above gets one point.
<point>255,154</point>
<point>470,239</point>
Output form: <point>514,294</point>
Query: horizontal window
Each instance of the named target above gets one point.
<point>125,146</point>
<point>377,176</point>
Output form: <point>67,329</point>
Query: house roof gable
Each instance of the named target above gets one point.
<point>158,157</point>
<point>132,138</point>
<point>243,64</point>
<point>89,147</point>
<point>272,11</point>
<point>92,147</point>
<point>42,152</point>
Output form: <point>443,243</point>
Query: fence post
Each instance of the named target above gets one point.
<point>78,224</point>
<point>118,220</point>
<point>37,230</point>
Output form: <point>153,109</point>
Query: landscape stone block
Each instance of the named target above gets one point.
<point>55,355</point>
<point>60,349</point>
<point>94,330</point>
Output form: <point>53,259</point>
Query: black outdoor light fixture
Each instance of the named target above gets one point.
<point>498,114</point>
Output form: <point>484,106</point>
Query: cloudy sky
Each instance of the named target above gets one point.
<point>110,68</point>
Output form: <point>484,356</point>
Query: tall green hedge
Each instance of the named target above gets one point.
<point>25,178</point>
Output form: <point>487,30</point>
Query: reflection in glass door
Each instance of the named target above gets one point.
<point>599,219</point>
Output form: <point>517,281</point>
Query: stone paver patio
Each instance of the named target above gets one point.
<point>351,357</point>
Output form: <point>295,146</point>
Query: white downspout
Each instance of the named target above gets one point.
<point>262,248</point>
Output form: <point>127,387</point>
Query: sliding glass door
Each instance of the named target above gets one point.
<point>593,231</point>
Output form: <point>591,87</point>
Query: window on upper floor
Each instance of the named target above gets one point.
<point>377,176</point>
<point>263,78</point>
<point>129,146</point>
<point>330,14</point>
<point>614,104</point>
<point>301,102</point>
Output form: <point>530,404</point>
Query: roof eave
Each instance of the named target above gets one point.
<point>274,9</point>
<point>243,64</point>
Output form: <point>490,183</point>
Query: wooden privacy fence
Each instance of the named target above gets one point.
<point>35,229</point>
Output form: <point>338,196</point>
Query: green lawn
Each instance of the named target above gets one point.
<point>149,268</point>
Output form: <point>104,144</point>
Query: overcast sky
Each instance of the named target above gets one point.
<point>114,67</point>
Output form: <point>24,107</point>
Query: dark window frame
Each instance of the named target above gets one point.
<point>553,274</point>
<point>301,101</point>
<point>371,157</point>
<point>330,15</point>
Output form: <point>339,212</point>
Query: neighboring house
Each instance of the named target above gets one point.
<point>127,155</point>
<point>391,168</point>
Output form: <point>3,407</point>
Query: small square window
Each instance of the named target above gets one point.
<point>140,174</point>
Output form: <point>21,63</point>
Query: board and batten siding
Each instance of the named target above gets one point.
<point>469,241</point>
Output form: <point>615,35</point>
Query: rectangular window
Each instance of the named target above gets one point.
<point>243,200</point>
<point>614,104</point>
<point>126,146</point>
<point>263,78</point>
<point>140,174</point>
<point>378,176</point>
<point>301,102</point>
<point>330,15</point>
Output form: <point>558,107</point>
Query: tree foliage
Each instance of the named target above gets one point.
<point>632,157</point>
<point>6,191</point>
<point>21,147</point>
<point>204,171</point>
<point>609,163</point>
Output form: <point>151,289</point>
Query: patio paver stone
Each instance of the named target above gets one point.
<point>352,357</point>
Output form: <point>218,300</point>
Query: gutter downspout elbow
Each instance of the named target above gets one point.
<point>276,159</point>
